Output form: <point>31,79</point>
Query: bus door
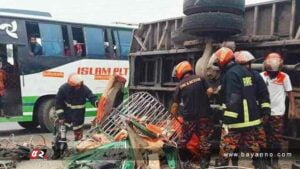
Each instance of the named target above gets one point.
<point>10,88</point>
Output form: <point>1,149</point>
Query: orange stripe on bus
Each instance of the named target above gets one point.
<point>102,77</point>
<point>53,74</point>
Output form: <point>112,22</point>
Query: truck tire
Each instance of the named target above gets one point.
<point>227,6</point>
<point>46,115</point>
<point>213,24</point>
<point>179,37</point>
<point>28,124</point>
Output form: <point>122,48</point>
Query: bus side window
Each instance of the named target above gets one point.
<point>78,41</point>
<point>94,40</point>
<point>34,39</point>
<point>107,45</point>
<point>52,39</point>
<point>123,41</point>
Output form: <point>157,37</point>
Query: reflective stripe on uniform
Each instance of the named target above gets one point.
<point>231,114</point>
<point>266,105</point>
<point>77,127</point>
<point>68,125</point>
<point>246,111</point>
<point>242,125</point>
<point>81,106</point>
<point>59,111</point>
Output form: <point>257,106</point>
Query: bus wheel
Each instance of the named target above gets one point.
<point>28,124</point>
<point>46,115</point>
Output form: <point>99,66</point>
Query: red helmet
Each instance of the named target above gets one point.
<point>273,62</point>
<point>223,56</point>
<point>243,57</point>
<point>181,69</point>
<point>75,80</point>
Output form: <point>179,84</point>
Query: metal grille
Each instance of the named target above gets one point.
<point>144,107</point>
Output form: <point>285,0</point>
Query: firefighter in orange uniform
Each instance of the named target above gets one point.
<point>197,126</point>
<point>245,58</point>
<point>241,112</point>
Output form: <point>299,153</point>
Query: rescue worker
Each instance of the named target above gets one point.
<point>245,58</point>
<point>278,84</point>
<point>70,104</point>
<point>241,113</point>
<point>197,126</point>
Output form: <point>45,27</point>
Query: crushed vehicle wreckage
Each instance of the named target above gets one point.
<point>139,133</point>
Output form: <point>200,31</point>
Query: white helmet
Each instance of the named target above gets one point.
<point>75,80</point>
<point>243,57</point>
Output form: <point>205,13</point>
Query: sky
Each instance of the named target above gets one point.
<point>104,11</point>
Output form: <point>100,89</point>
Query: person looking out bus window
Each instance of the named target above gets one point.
<point>36,48</point>
<point>78,48</point>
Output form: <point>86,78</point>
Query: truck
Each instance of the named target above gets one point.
<point>268,27</point>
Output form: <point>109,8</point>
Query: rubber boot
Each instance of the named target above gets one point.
<point>184,158</point>
<point>259,163</point>
<point>204,162</point>
<point>275,160</point>
<point>275,163</point>
<point>235,162</point>
<point>235,159</point>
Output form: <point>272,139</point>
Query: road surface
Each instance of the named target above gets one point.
<point>22,135</point>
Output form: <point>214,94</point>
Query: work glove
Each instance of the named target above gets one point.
<point>174,109</point>
<point>265,119</point>
<point>265,113</point>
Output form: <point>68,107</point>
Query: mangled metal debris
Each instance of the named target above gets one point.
<point>145,109</point>
<point>144,131</point>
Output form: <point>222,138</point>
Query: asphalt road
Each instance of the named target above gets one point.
<point>36,136</point>
<point>23,135</point>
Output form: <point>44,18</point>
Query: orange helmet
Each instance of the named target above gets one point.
<point>181,69</point>
<point>75,80</point>
<point>243,57</point>
<point>223,56</point>
<point>273,62</point>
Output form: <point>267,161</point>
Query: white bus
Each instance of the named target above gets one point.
<point>39,53</point>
